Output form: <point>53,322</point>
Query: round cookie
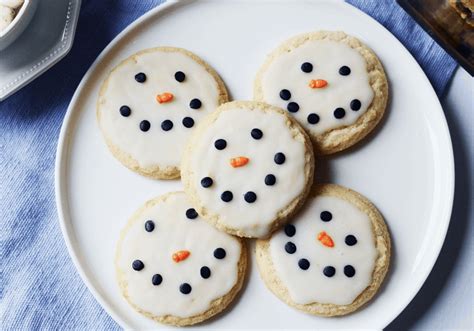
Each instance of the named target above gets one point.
<point>151,102</point>
<point>332,258</point>
<point>247,168</point>
<point>333,84</point>
<point>175,268</point>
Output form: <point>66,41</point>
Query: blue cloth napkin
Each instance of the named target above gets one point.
<point>39,287</point>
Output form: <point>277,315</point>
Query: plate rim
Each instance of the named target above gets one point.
<point>57,52</point>
<point>62,152</point>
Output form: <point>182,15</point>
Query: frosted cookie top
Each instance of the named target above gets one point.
<point>324,81</point>
<point>170,262</point>
<point>150,103</point>
<point>248,167</point>
<point>332,258</point>
<point>327,255</point>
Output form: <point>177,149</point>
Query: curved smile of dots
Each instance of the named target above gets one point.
<point>241,161</point>
<point>178,257</point>
<point>317,83</point>
<point>327,241</point>
<point>162,98</point>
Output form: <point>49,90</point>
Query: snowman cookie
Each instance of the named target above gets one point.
<point>248,168</point>
<point>175,268</point>
<point>334,85</point>
<point>332,258</point>
<point>151,102</point>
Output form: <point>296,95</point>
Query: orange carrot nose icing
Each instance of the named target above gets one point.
<point>164,97</point>
<point>325,239</point>
<point>239,161</point>
<point>317,83</point>
<point>181,256</point>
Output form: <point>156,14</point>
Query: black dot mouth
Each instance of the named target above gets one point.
<point>207,182</point>
<point>185,288</point>
<point>145,126</point>
<point>313,118</point>
<point>329,271</point>
<point>304,264</point>
<point>289,246</point>
<point>339,113</point>
<point>188,122</point>
<point>166,125</point>
<point>293,107</point>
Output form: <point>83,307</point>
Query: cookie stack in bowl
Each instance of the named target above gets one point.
<point>247,169</point>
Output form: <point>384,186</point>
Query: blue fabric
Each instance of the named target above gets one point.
<point>39,287</point>
<point>436,63</point>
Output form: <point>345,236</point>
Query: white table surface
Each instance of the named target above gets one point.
<point>446,300</point>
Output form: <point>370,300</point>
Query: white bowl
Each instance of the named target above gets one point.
<point>19,23</point>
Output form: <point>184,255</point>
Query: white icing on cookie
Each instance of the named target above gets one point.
<point>323,59</point>
<point>359,255</point>
<point>174,232</point>
<point>148,143</point>
<point>259,188</point>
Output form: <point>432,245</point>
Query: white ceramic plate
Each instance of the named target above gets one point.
<point>405,168</point>
<point>46,40</point>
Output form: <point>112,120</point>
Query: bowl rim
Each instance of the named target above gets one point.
<point>18,17</point>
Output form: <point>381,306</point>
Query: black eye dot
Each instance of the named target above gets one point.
<point>279,158</point>
<point>303,264</point>
<point>185,288</point>
<point>179,76</point>
<point>293,107</point>
<point>355,104</point>
<point>285,94</point>
<point>191,213</point>
<point>188,122</point>
<point>350,240</point>
<point>220,144</point>
<point>140,77</point>
<point>290,230</point>
<point>219,253</point>
<point>137,265</point>
<point>325,216</point>
<point>125,111</point>
<point>290,247</point>
<point>205,272</point>
<point>329,271</point>
<point>339,113</point>
<point>256,134</point>
<point>156,279</point>
<point>270,180</point>
<point>145,125</point>
<point>250,197</point>
<point>207,182</point>
<point>307,67</point>
<point>149,226</point>
<point>344,71</point>
<point>227,196</point>
<point>195,104</point>
<point>349,271</point>
<point>166,125</point>
<point>313,118</point>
